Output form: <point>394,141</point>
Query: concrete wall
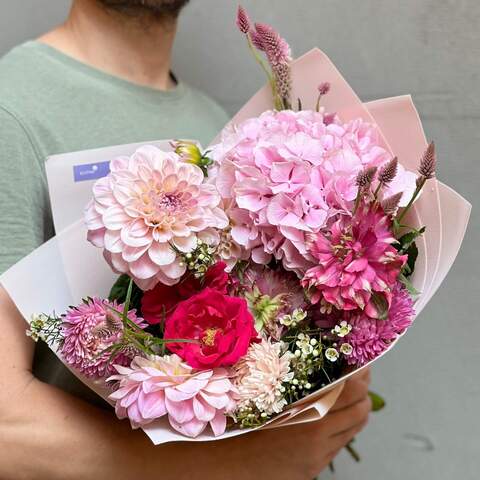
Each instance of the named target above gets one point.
<point>431,49</point>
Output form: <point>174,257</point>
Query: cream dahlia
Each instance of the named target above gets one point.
<point>150,207</point>
<point>261,374</point>
<point>154,387</point>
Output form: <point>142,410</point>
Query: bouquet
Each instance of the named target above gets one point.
<point>255,276</point>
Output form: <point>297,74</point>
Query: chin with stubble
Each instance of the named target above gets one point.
<point>157,8</point>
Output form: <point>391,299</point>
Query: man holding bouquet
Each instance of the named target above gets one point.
<point>104,78</point>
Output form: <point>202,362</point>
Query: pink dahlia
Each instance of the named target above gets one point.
<point>357,263</point>
<point>88,331</point>
<point>148,209</point>
<point>153,387</point>
<point>286,174</point>
<point>370,337</point>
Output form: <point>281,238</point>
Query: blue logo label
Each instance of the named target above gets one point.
<point>90,171</point>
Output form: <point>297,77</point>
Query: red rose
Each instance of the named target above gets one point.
<point>223,326</point>
<point>162,299</point>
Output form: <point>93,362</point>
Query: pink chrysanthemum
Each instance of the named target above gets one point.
<point>150,206</point>
<point>88,331</point>
<point>153,387</point>
<point>356,262</point>
<point>370,337</point>
<point>285,174</point>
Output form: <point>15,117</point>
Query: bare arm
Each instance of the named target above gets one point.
<point>48,434</point>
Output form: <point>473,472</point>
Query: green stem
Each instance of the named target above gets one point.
<point>352,452</point>
<point>326,374</point>
<point>278,102</point>
<point>259,60</point>
<point>414,196</point>
<point>357,201</point>
<point>317,106</point>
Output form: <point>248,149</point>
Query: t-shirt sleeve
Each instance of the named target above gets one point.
<point>24,204</point>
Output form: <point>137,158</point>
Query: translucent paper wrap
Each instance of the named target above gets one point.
<point>67,268</point>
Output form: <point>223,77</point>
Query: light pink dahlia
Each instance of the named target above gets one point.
<point>150,207</point>
<point>286,174</point>
<point>88,331</point>
<point>370,337</point>
<point>153,387</point>
<point>356,262</point>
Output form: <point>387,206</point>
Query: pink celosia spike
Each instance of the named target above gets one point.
<point>256,40</point>
<point>390,204</point>
<point>243,21</point>
<point>428,162</point>
<point>324,88</point>
<point>276,48</point>
<point>388,171</point>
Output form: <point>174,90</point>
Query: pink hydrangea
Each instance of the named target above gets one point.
<point>88,331</point>
<point>150,207</point>
<point>154,387</point>
<point>370,337</point>
<point>357,262</point>
<point>286,174</point>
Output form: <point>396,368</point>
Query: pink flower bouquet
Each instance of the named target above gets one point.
<point>254,277</point>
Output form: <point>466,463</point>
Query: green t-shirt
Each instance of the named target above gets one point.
<point>50,104</point>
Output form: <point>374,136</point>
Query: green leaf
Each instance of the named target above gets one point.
<point>120,289</point>
<point>126,306</point>
<point>381,305</point>
<point>377,401</point>
<point>412,253</point>
<point>404,280</point>
<point>407,245</point>
<point>406,240</point>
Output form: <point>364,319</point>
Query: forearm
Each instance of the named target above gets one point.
<point>48,434</point>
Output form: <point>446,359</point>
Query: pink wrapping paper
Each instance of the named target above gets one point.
<point>71,260</point>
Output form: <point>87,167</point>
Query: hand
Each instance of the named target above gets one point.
<point>301,452</point>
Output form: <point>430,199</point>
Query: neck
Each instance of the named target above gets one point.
<point>137,49</point>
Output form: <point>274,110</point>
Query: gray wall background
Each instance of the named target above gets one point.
<point>431,49</point>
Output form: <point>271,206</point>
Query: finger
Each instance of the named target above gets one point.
<point>366,375</point>
<point>348,417</point>
<point>340,440</point>
<point>354,391</point>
